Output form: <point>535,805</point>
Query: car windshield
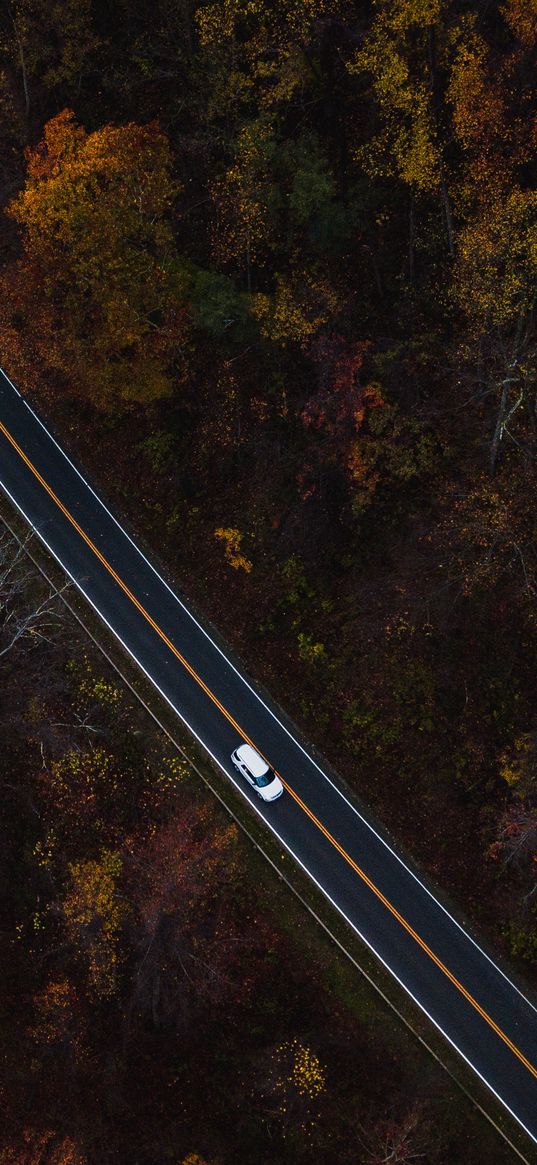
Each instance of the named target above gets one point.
<point>264,779</point>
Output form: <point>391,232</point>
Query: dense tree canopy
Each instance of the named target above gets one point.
<point>95,273</point>
<point>269,268</point>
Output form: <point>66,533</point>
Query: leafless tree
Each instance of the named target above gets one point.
<point>28,617</point>
<point>518,836</point>
<point>396,1142</point>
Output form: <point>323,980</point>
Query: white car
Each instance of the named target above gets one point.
<point>257,772</point>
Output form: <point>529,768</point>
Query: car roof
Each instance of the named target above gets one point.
<point>258,767</point>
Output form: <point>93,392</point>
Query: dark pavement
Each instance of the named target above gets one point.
<point>495,1029</point>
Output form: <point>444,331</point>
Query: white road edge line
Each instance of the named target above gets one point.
<point>267,821</point>
<point>284,878</point>
<point>270,711</point>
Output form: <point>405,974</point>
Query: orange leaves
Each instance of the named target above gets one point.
<point>55,1007</point>
<point>44,1148</point>
<point>62,138</point>
<point>495,272</point>
<point>340,412</point>
<point>478,106</point>
<point>88,189</point>
<point>497,259</point>
<point>183,886</point>
<point>95,273</point>
<point>182,863</point>
<point>359,434</point>
<point>521,16</point>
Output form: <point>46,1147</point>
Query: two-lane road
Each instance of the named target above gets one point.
<point>465,994</point>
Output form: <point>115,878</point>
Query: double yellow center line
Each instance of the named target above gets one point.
<point>240,732</point>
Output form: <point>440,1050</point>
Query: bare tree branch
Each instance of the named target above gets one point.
<point>20,621</point>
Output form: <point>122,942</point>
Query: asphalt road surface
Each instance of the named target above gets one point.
<point>453,980</point>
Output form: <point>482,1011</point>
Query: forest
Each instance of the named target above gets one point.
<point>269,270</point>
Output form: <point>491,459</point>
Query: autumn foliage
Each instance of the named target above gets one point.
<point>94,275</point>
<point>269,271</point>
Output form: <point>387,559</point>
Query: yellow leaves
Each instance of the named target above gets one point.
<point>307,1074</point>
<point>232,540</point>
<point>79,781</point>
<point>416,154</point>
<point>282,317</point>
<point>243,196</point>
<point>281,78</point>
<point>491,531</point>
<point>309,651</point>
<point>172,773</point>
<point>403,15</point>
<point>295,313</point>
<point>231,18</point>
<point>510,772</point>
<point>300,15</point>
<point>216,22</point>
<point>55,37</point>
<point>496,267</point>
<point>261,50</point>
<point>390,72</point>
<point>93,914</point>
<point>44,850</point>
<point>300,1080</point>
<point>91,686</point>
<point>518,765</point>
<point>407,143</point>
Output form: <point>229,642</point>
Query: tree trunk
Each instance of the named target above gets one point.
<point>447,212</point>
<point>411,235</point>
<point>376,273</point>
<point>504,398</point>
<point>248,269</point>
<point>435,102</point>
<point>22,63</point>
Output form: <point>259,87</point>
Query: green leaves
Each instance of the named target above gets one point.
<point>312,185</point>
